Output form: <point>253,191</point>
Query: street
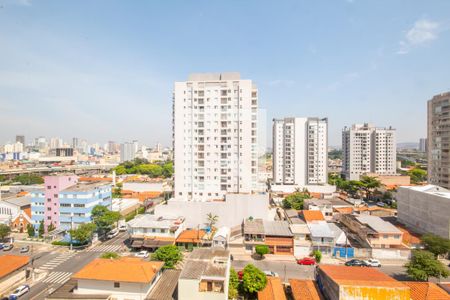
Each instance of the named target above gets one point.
<point>55,266</point>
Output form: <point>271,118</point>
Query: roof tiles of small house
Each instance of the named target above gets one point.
<point>426,291</point>
<point>344,275</point>
<point>305,290</point>
<point>312,215</point>
<point>11,263</point>
<point>274,290</point>
<point>190,236</point>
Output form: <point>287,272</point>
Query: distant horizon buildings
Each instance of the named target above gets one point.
<point>423,145</point>
<point>20,139</point>
<point>368,149</point>
<point>300,151</point>
<point>438,136</point>
<point>127,151</point>
<point>215,142</point>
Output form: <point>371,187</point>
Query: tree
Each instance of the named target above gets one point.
<point>424,265</point>
<point>51,227</point>
<point>110,255</point>
<point>169,254</point>
<point>212,220</point>
<point>262,250</point>
<point>253,280</point>
<point>167,169</point>
<point>117,192</point>
<point>30,230</point>
<point>233,284</point>
<point>417,175</point>
<point>317,255</point>
<point>436,244</point>
<point>369,184</point>
<point>295,200</point>
<point>104,218</point>
<point>4,231</point>
<point>41,229</point>
<point>28,179</point>
<point>83,233</point>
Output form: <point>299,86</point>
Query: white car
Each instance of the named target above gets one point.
<point>381,204</point>
<point>271,274</point>
<point>20,291</point>
<point>112,233</point>
<point>373,262</point>
<point>122,227</point>
<point>142,254</point>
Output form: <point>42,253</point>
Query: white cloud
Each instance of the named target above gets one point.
<point>423,32</point>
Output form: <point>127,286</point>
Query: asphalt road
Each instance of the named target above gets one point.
<point>54,269</point>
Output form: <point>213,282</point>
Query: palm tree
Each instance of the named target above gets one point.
<point>212,220</point>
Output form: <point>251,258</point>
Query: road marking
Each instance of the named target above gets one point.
<point>57,261</point>
<point>106,248</point>
<point>57,277</point>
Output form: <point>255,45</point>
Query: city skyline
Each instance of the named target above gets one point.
<point>104,76</point>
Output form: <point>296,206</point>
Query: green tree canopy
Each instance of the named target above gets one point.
<point>262,250</point>
<point>104,218</point>
<point>142,166</point>
<point>233,284</point>
<point>212,220</point>
<point>253,280</point>
<point>417,175</point>
<point>369,184</point>
<point>317,255</point>
<point>436,244</point>
<point>295,200</point>
<point>424,265</point>
<point>30,230</point>
<point>41,229</point>
<point>28,179</point>
<point>4,231</point>
<point>169,254</point>
<point>83,233</point>
<point>110,255</point>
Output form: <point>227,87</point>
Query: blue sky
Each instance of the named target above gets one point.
<point>104,70</point>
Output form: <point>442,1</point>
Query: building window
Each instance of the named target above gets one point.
<point>117,284</point>
<point>78,205</point>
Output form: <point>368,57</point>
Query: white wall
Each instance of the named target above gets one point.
<point>188,290</point>
<point>231,212</point>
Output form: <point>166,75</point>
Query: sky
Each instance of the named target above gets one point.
<point>104,70</point>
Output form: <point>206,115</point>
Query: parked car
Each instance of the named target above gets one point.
<point>381,204</point>
<point>122,227</point>
<point>20,291</point>
<point>112,233</point>
<point>8,247</point>
<point>271,274</point>
<point>356,263</point>
<point>306,261</point>
<point>373,262</point>
<point>1,246</point>
<point>25,249</point>
<point>142,254</point>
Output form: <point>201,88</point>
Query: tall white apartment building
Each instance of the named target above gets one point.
<point>215,136</point>
<point>368,149</point>
<point>127,151</point>
<point>300,155</point>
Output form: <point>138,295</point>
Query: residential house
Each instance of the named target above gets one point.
<point>190,238</point>
<point>274,290</point>
<point>377,232</point>
<point>322,238</point>
<point>16,213</point>
<point>167,286</point>
<point>302,239</point>
<point>275,234</point>
<point>205,275</point>
<point>124,278</point>
<point>305,290</point>
<point>151,232</point>
<point>12,271</point>
<point>221,237</point>
<point>351,283</point>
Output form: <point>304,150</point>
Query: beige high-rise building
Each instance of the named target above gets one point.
<point>368,149</point>
<point>439,140</point>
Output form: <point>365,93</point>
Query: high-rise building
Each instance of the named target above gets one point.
<point>368,149</point>
<point>127,152</point>
<point>20,139</point>
<point>215,136</point>
<point>300,155</point>
<point>423,145</point>
<point>75,143</point>
<point>56,142</point>
<point>439,140</point>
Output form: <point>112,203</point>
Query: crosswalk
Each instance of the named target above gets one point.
<point>57,277</point>
<point>106,248</point>
<point>50,265</point>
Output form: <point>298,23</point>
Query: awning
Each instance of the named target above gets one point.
<point>156,243</point>
<point>137,244</point>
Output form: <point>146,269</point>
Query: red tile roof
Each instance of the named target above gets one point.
<point>312,215</point>
<point>274,290</point>
<point>11,263</point>
<point>305,290</point>
<point>426,291</point>
<point>191,236</point>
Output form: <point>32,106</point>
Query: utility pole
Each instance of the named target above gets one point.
<point>71,228</point>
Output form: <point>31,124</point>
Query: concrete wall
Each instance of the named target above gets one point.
<point>188,289</point>
<point>231,212</point>
<point>12,280</point>
<point>424,212</point>
<point>143,186</point>
<point>127,290</point>
<point>404,254</point>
